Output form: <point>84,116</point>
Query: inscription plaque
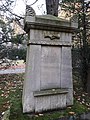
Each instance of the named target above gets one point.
<point>50,67</point>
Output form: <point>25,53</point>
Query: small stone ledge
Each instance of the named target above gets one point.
<point>50,92</point>
<point>55,43</point>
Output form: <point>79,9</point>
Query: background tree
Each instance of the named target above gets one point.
<point>11,46</point>
<point>52,7</point>
<point>81,9</point>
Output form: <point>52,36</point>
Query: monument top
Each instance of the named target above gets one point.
<point>33,21</point>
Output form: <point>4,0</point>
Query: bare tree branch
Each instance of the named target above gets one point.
<point>33,3</point>
<point>11,11</point>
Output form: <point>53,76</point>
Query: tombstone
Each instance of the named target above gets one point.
<point>48,76</point>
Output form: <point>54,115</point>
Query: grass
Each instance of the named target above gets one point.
<point>11,94</point>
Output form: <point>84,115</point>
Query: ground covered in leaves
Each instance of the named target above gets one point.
<point>11,93</point>
<point>8,86</point>
<point>79,94</point>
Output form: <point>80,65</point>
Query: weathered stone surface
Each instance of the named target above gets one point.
<point>61,101</point>
<point>50,67</point>
<point>69,97</point>
<point>66,68</point>
<point>42,103</point>
<point>66,37</point>
<point>32,77</point>
<point>50,92</point>
<point>50,99</point>
<point>48,64</point>
<point>48,22</point>
<point>45,103</point>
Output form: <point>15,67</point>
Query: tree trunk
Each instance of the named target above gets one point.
<point>52,7</point>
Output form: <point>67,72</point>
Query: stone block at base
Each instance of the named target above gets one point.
<point>50,99</point>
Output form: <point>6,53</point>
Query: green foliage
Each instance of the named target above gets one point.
<point>11,45</point>
<point>78,108</point>
<point>18,39</point>
<point>20,53</point>
<point>16,106</point>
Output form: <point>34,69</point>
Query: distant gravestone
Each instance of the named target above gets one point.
<point>48,77</point>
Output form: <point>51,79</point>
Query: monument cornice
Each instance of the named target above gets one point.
<point>50,27</point>
<point>48,22</point>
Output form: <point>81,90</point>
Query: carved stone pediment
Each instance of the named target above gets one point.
<point>30,11</point>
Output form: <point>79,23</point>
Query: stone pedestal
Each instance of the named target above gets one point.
<point>48,77</point>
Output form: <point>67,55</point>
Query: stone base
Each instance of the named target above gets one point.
<point>50,99</point>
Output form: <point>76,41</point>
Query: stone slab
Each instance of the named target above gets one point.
<point>69,97</point>
<point>49,38</point>
<point>66,68</point>
<point>32,77</point>
<point>50,67</point>
<point>42,103</point>
<point>50,92</point>
<point>51,102</point>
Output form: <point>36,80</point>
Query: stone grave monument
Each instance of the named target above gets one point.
<point>48,76</point>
